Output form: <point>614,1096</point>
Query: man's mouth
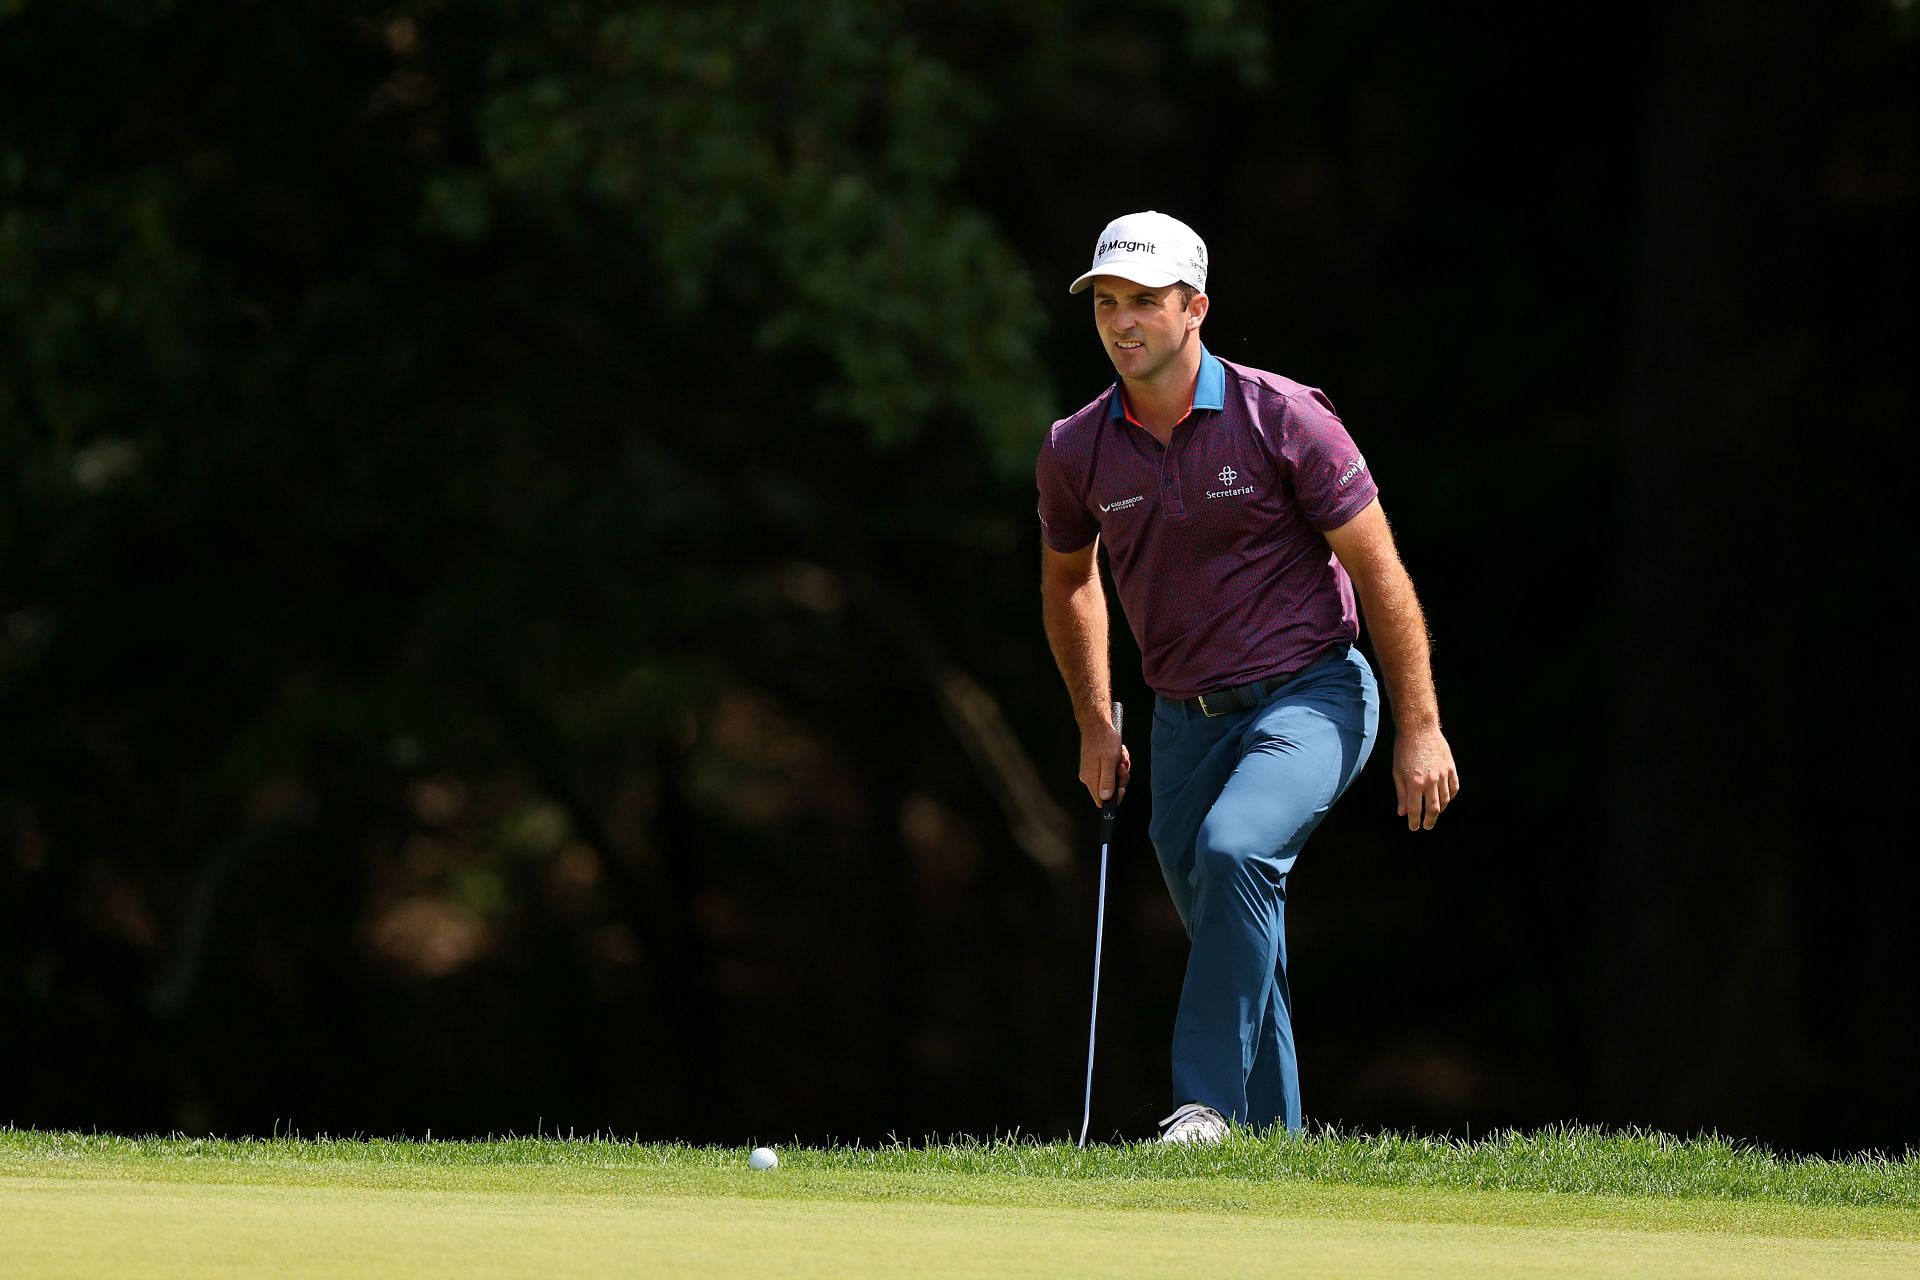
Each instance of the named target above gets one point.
<point>1129,344</point>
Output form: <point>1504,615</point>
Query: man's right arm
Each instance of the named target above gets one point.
<point>1074,609</point>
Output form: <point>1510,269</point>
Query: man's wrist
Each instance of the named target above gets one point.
<point>1092,722</point>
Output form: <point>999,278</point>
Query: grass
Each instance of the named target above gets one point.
<point>1568,1161</point>
<point>1562,1201</point>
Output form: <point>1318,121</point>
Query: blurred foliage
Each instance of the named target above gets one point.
<point>797,161</point>
<point>471,476</point>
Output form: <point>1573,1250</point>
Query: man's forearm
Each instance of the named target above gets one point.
<point>1075,616</point>
<point>1399,630</point>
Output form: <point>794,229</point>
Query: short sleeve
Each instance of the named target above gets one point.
<point>1330,477</point>
<point>1065,523</point>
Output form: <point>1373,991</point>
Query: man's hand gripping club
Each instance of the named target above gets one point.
<point>1104,760</point>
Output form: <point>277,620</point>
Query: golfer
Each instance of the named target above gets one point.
<point>1241,523</point>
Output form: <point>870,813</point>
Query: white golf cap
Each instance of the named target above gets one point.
<point>1151,249</point>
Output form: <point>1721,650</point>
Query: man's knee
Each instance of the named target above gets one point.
<point>1228,850</point>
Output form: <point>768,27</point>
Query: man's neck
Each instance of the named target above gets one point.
<point>1160,404</point>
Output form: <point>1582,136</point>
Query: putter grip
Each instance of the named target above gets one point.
<point>1110,809</point>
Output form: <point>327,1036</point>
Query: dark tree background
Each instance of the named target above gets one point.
<point>518,582</point>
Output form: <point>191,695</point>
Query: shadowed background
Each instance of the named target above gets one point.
<point>518,576</point>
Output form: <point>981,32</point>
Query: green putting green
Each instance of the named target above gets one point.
<point>79,1206</point>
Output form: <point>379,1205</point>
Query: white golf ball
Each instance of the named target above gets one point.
<point>763,1158</point>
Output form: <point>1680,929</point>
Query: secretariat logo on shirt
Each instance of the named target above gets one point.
<point>1227,476</point>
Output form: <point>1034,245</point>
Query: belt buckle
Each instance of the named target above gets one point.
<point>1202,700</point>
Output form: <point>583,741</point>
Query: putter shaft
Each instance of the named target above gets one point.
<point>1108,812</point>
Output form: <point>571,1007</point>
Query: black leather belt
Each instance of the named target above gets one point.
<point>1244,696</point>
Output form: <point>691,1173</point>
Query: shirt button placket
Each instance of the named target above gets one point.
<point>1170,485</point>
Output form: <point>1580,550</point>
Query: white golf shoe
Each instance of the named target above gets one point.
<point>1194,1123</point>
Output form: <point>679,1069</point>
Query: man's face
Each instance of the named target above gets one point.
<point>1142,329</point>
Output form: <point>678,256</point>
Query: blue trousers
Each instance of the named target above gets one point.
<point>1235,797</point>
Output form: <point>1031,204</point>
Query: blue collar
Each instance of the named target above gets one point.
<point>1209,389</point>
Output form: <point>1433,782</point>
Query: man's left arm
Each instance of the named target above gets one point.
<point>1424,776</point>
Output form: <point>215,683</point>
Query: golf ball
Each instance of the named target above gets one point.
<point>763,1158</point>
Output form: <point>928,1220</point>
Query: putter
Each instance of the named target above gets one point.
<point>1108,812</point>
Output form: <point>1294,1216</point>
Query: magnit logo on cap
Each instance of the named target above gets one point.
<point>1148,248</point>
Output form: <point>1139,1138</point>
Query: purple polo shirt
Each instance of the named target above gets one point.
<point>1215,538</point>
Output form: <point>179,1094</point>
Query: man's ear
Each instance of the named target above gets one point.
<point>1196,310</point>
